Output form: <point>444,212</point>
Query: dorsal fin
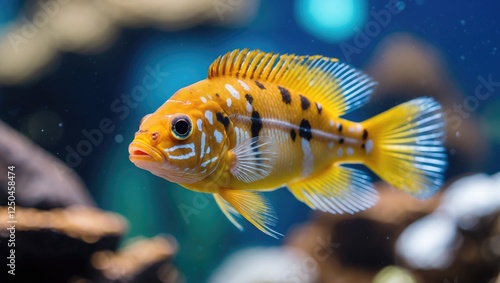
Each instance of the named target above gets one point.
<point>336,86</point>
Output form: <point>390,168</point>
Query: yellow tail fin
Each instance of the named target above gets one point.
<point>405,146</point>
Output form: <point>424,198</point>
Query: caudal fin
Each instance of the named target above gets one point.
<point>405,146</point>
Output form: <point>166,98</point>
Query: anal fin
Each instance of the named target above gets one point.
<point>251,205</point>
<point>228,211</point>
<point>337,189</point>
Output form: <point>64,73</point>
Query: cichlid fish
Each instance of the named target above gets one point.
<point>263,121</point>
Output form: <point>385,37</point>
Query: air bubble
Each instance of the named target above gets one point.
<point>118,138</point>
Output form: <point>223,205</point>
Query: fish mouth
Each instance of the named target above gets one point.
<point>141,152</point>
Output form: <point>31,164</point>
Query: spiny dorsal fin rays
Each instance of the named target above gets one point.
<point>262,68</point>
<point>336,86</point>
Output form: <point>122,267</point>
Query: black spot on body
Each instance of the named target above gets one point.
<point>293,134</point>
<point>285,94</point>
<point>340,128</point>
<point>363,146</point>
<point>365,134</point>
<point>305,130</point>
<point>261,86</point>
<point>249,98</point>
<point>304,102</point>
<point>341,141</point>
<point>217,94</point>
<point>318,106</point>
<point>223,119</point>
<point>256,124</point>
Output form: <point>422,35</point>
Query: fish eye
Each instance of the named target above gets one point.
<point>181,127</point>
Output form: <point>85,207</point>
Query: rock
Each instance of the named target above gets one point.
<point>41,180</point>
<point>27,48</point>
<point>56,245</point>
<point>354,248</point>
<point>142,260</point>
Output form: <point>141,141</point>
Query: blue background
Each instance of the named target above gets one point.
<point>82,89</point>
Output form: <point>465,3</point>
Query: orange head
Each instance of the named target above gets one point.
<point>181,141</point>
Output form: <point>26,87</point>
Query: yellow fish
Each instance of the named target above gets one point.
<point>263,121</point>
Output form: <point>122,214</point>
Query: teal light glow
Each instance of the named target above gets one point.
<point>331,20</point>
<point>8,11</point>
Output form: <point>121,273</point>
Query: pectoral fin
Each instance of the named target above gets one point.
<point>251,205</point>
<point>254,159</point>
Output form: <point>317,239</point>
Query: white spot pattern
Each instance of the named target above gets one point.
<point>204,164</point>
<point>218,136</point>
<point>358,128</point>
<point>308,158</point>
<point>249,107</point>
<point>369,146</point>
<point>232,91</point>
<point>184,156</point>
<point>229,102</point>
<point>244,85</point>
<point>340,152</point>
<point>210,116</point>
<point>202,145</point>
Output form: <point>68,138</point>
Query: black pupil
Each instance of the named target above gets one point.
<point>181,127</point>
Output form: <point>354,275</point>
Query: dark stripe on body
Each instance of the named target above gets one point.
<point>255,129</point>
<point>249,98</point>
<point>318,106</point>
<point>223,119</point>
<point>285,94</point>
<point>261,86</point>
<point>305,130</point>
<point>256,124</point>
<point>304,102</point>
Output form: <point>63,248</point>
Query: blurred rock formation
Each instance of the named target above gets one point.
<point>42,181</point>
<point>266,264</point>
<point>373,246</point>
<point>360,244</point>
<point>56,245</point>
<point>141,260</point>
<point>48,27</point>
